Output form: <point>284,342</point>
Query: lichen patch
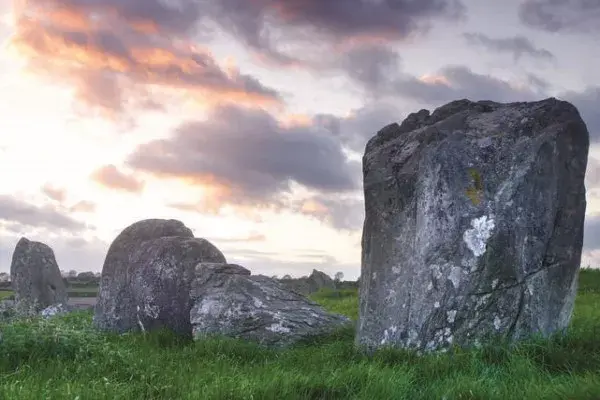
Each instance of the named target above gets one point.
<point>481,230</point>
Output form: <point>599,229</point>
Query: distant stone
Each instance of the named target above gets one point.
<point>229,301</point>
<point>474,224</point>
<point>35,278</point>
<point>146,277</point>
<point>306,285</point>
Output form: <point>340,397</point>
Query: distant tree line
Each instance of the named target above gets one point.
<point>70,277</point>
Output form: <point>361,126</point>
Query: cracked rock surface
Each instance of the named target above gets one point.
<point>35,278</point>
<point>146,277</point>
<point>229,301</point>
<point>474,224</point>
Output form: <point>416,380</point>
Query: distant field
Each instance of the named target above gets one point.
<point>85,291</point>
<point>89,291</point>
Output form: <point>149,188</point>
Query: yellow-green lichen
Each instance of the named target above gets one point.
<point>475,191</point>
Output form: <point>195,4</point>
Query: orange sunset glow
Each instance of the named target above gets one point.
<point>247,120</point>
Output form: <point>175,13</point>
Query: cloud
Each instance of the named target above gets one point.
<point>591,237</point>
<point>377,70</point>
<point>356,128</point>
<point>518,46</point>
<point>591,241</point>
<point>373,67</point>
<point>83,206</point>
<point>54,193</point>
<point>341,212</point>
<point>578,16</point>
<point>260,24</point>
<point>252,237</point>
<point>246,157</point>
<point>60,196</point>
<point>458,82</point>
<point>588,104</point>
<point>592,174</point>
<point>16,214</point>
<point>111,177</point>
<point>122,55</point>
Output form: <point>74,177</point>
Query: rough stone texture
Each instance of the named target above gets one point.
<point>306,285</point>
<point>229,301</point>
<point>146,277</point>
<point>35,278</point>
<point>474,224</point>
<point>7,310</point>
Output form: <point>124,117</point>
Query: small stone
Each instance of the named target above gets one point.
<point>35,278</point>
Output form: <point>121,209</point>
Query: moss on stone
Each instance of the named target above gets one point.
<point>475,191</point>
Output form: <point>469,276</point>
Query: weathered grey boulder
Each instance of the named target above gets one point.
<point>229,301</point>
<point>146,277</point>
<point>35,278</point>
<point>306,285</point>
<point>474,224</point>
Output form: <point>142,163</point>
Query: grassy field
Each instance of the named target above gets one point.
<point>64,358</point>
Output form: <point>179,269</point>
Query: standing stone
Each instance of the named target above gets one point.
<point>229,301</point>
<point>474,224</point>
<point>35,278</point>
<point>146,277</point>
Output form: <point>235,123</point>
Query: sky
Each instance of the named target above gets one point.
<point>247,119</point>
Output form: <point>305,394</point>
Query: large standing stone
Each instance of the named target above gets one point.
<point>35,278</point>
<point>229,301</point>
<point>146,277</point>
<point>474,224</point>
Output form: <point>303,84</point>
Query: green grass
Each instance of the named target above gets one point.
<point>5,294</point>
<point>82,292</point>
<point>64,358</point>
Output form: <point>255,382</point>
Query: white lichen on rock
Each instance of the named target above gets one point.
<point>530,288</point>
<point>151,310</point>
<point>476,238</point>
<point>454,276</point>
<point>497,323</point>
<point>387,333</point>
<point>278,327</point>
<point>257,302</point>
<point>451,315</point>
<point>53,310</point>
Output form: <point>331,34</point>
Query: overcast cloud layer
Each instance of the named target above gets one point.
<point>262,108</point>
